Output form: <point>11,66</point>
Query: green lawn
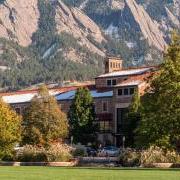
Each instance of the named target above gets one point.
<point>53,173</point>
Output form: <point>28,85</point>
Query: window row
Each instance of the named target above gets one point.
<point>111,82</point>
<point>20,110</point>
<point>125,91</point>
<point>115,65</point>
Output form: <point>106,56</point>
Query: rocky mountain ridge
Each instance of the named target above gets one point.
<point>76,23</point>
<point>65,39</point>
<point>149,28</point>
<point>19,20</point>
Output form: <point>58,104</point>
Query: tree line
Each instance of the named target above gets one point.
<point>43,123</point>
<point>153,119</point>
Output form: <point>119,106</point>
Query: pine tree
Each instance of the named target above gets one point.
<point>82,117</point>
<point>44,122</point>
<point>160,108</point>
<point>10,130</point>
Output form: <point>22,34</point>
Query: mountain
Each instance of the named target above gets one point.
<point>19,20</point>
<point>135,22</point>
<point>57,40</point>
<point>23,17</point>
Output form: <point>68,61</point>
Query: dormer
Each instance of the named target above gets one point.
<point>113,64</point>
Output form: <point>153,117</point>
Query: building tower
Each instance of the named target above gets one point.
<point>113,64</point>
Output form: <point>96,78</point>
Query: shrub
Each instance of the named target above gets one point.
<point>129,158</point>
<point>173,157</point>
<point>7,157</point>
<point>55,153</point>
<point>79,152</point>
<point>157,155</point>
<point>59,152</point>
<point>31,153</point>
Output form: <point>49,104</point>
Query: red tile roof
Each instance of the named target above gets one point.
<point>136,78</point>
<point>59,89</point>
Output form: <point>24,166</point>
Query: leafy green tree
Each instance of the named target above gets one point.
<point>44,122</point>
<point>82,117</point>
<point>160,109</point>
<point>133,118</point>
<point>10,130</point>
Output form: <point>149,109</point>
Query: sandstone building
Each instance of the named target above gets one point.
<point>112,94</point>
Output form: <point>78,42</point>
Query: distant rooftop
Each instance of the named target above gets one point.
<point>94,93</point>
<point>127,72</point>
<point>134,80</point>
<point>130,83</point>
<point>24,96</point>
<point>27,95</point>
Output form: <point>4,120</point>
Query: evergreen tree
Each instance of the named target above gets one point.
<point>160,107</point>
<point>133,118</point>
<point>10,130</point>
<point>43,120</point>
<point>82,117</point>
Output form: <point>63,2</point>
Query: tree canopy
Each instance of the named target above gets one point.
<point>44,122</point>
<point>82,117</point>
<point>10,130</point>
<point>132,120</point>
<point>160,109</point>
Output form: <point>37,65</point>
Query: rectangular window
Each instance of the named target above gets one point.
<point>109,82</point>
<point>105,106</point>
<point>126,91</point>
<point>104,126</point>
<point>132,91</point>
<point>122,120</point>
<point>101,125</point>
<point>111,65</point>
<point>114,65</point>
<point>114,82</point>
<point>18,110</point>
<point>120,92</point>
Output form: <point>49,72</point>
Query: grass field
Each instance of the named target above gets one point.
<point>53,173</point>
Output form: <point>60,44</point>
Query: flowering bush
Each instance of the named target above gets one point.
<point>79,152</point>
<point>55,153</point>
<point>31,153</point>
<point>157,155</point>
<point>59,152</point>
<point>129,158</point>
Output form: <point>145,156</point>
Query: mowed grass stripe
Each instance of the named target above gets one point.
<point>53,173</point>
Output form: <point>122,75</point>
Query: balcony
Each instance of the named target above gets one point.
<point>104,117</point>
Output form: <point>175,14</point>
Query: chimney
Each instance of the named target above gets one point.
<point>113,64</point>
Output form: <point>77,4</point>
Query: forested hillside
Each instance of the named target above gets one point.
<point>44,59</point>
<point>57,40</point>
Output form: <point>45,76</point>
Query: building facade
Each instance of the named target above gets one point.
<point>112,94</point>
